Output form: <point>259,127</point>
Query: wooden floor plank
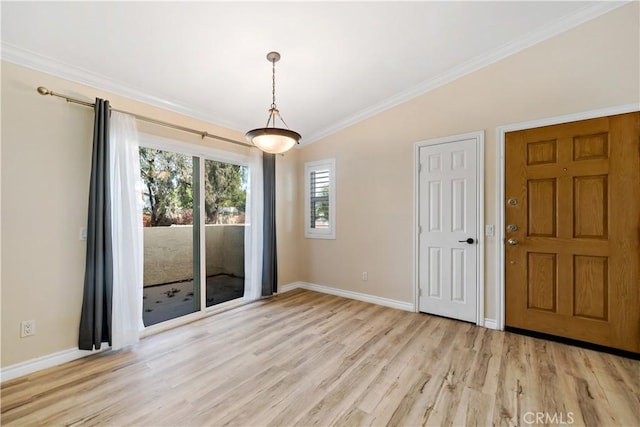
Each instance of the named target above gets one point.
<point>304,358</point>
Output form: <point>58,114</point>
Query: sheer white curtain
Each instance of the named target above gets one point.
<point>253,232</point>
<point>126,214</point>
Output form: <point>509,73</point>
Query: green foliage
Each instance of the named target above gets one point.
<point>168,195</point>
<point>322,204</point>
<point>168,180</point>
<point>225,187</point>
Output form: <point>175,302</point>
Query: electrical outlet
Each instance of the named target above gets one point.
<point>365,276</point>
<point>27,328</point>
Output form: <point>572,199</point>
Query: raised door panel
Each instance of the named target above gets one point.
<point>590,147</point>
<point>590,207</point>
<point>459,205</point>
<point>591,287</point>
<point>542,152</point>
<point>542,278</point>
<point>458,274</point>
<point>435,206</point>
<point>541,203</point>
<point>434,269</point>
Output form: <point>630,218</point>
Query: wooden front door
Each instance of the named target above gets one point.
<point>572,255</point>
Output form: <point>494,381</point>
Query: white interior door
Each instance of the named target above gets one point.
<point>447,227</point>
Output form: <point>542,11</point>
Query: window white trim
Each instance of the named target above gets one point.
<point>309,167</point>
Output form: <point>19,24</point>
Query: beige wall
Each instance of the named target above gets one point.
<point>46,159</point>
<point>288,219</point>
<point>593,66</point>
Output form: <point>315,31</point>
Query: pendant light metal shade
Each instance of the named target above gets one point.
<point>272,139</point>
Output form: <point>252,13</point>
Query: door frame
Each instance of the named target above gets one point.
<point>500,135</point>
<point>480,169</point>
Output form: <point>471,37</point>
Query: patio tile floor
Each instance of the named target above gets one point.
<point>171,300</point>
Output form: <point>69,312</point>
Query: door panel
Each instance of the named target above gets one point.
<point>542,207</point>
<point>447,217</point>
<point>541,281</point>
<point>590,195</point>
<point>591,282</point>
<point>573,264</point>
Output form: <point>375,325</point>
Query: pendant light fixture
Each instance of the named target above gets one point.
<point>273,139</point>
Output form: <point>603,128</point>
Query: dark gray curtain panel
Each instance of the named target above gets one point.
<point>95,321</point>
<point>270,256</point>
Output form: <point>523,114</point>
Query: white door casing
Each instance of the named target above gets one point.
<point>449,206</point>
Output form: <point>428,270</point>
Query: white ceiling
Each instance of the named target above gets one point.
<point>341,61</point>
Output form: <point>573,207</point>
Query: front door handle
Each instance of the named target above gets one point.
<point>512,242</point>
<point>469,241</point>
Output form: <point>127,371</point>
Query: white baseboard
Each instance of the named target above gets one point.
<point>289,287</point>
<point>490,324</point>
<point>39,363</point>
<point>387,302</point>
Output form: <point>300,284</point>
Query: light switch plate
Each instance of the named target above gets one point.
<point>489,230</point>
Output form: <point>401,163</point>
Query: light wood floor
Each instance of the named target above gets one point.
<point>304,358</point>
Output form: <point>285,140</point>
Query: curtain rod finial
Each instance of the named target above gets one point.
<point>43,90</point>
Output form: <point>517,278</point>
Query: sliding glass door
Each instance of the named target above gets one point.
<point>225,200</point>
<point>171,277</point>
<point>194,232</point>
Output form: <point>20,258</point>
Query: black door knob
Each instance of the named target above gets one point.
<point>469,241</point>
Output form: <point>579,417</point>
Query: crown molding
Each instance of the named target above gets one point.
<point>511,48</point>
<point>45,64</point>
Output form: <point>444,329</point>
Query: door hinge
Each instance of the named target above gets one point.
<point>419,229</point>
<point>419,292</point>
<point>419,167</point>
